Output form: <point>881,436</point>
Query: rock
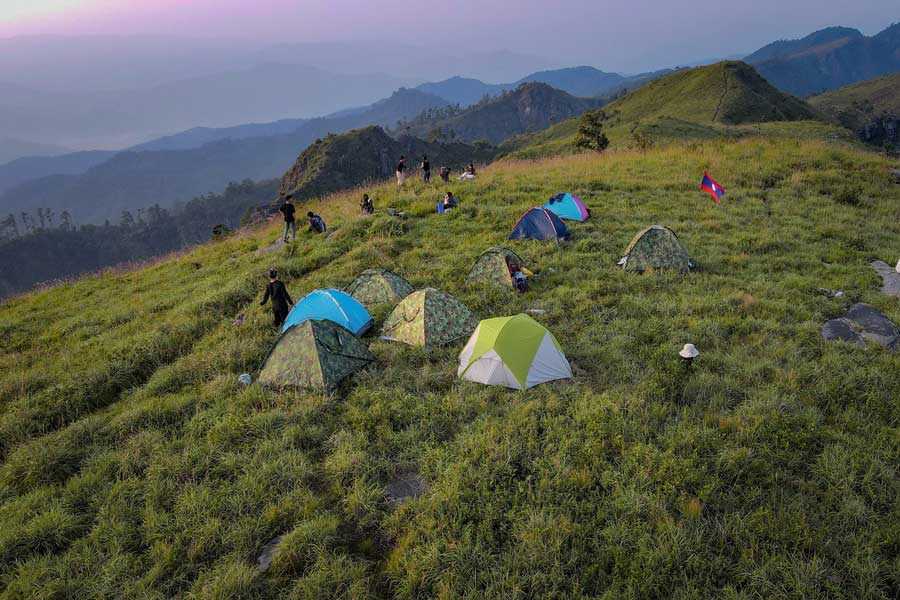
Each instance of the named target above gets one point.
<point>890,278</point>
<point>895,173</point>
<point>861,323</point>
<point>841,329</point>
<point>404,487</point>
<point>268,554</point>
<point>245,379</point>
<point>276,246</point>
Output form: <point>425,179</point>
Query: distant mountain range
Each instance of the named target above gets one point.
<point>871,108</point>
<point>586,82</point>
<point>529,107</point>
<point>135,179</point>
<point>828,59</point>
<point>12,148</point>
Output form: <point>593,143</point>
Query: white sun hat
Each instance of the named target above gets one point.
<point>689,351</point>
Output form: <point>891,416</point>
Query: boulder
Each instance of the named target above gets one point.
<point>863,322</point>
<point>268,554</point>
<point>403,488</point>
<point>890,278</point>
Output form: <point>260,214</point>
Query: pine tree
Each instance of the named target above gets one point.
<point>590,132</point>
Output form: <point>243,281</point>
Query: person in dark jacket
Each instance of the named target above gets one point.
<point>281,300</point>
<point>316,224</point>
<point>366,205</point>
<point>287,209</point>
<point>426,169</point>
<point>444,173</point>
<point>401,171</point>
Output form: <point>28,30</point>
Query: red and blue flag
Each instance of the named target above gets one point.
<point>711,187</point>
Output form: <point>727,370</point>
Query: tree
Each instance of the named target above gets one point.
<point>8,228</point>
<point>66,221</point>
<point>127,219</point>
<point>590,132</point>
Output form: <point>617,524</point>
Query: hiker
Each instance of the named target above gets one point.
<point>469,173</point>
<point>426,169</point>
<point>449,201</point>
<point>366,205</point>
<point>445,174</point>
<point>316,224</point>
<point>280,299</point>
<point>287,209</point>
<point>401,171</point>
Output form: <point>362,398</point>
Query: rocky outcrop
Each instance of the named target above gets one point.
<point>883,130</point>
<point>862,323</point>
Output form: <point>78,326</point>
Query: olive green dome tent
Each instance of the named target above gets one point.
<point>493,267</point>
<point>516,352</point>
<point>428,318</point>
<point>315,354</point>
<point>379,286</point>
<point>656,248</point>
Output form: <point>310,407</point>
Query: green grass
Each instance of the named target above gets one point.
<point>135,466</point>
<point>855,105</point>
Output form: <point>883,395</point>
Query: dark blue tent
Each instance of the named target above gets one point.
<point>539,224</point>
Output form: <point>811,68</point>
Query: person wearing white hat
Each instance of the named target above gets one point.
<point>688,354</point>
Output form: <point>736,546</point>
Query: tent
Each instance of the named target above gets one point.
<point>539,224</point>
<point>516,352</point>
<point>656,248</point>
<point>428,318</point>
<point>493,267</point>
<point>568,206</point>
<point>314,354</point>
<point>333,305</point>
<point>379,286</point>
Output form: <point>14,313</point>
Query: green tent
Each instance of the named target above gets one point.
<point>314,354</point>
<point>492,267</point>
<point>516,352</point>
<point>656,248</point>
<point>379,286</point>
<point>428,318</point>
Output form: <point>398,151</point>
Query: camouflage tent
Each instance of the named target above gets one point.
<point>429,318</point>
<point>314,354</point>
<point>493,267</point>
<point>379,286</point>
<point>656,248</point>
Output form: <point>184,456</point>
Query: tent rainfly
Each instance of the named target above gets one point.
<point>656,248</point>
<point>516,352</point>
<point>316,354</point>
<point>538,223</point>
<point>494,267</point>
<point>333,305</point>
<point>379,286</point>
<point>568,206</point>
<point>428,318</point>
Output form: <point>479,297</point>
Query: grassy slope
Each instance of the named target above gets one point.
<point>853,106</point>
<point>726,99</point>
<point>133,465</point>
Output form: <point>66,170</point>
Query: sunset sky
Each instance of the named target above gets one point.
<point>627,34</point>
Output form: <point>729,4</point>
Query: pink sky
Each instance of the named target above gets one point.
<point>605,32</point>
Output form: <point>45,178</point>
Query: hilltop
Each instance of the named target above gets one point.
<point>828,59</point>
<point>134,465</point>
<point>369,155</point>
<point>870,108</point>
<point>529,107</point>
<point>722,99</point>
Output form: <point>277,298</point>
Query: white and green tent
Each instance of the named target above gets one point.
<point>516,352</point>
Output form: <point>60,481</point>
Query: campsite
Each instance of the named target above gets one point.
<point>633,458</point>
<point>504,326</point>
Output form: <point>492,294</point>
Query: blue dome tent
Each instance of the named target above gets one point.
<point>538,223</point>
<point>331,305</point>
<point>568,206</point>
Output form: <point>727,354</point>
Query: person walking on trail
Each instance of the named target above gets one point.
<point>366,205</point>
<point>316,224</point>
<point>287,209</point>
<point>426,169</point>
<point>401,171</point>
<point>281,300</point>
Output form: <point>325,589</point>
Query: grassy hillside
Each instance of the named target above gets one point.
<point>135,466</point>
<point>854,106</point>
<point>727,99</point>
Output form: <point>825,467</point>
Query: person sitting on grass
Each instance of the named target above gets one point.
<point>316,224</point>
<point>469,173</point>
<point>366,205</point>
<point>280,299</point>
<point>449,201</point>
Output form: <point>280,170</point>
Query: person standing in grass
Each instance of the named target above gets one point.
<point>287,209</point>
<point>281,300</point>
<point>401,171</point>
<point>426,169</point>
